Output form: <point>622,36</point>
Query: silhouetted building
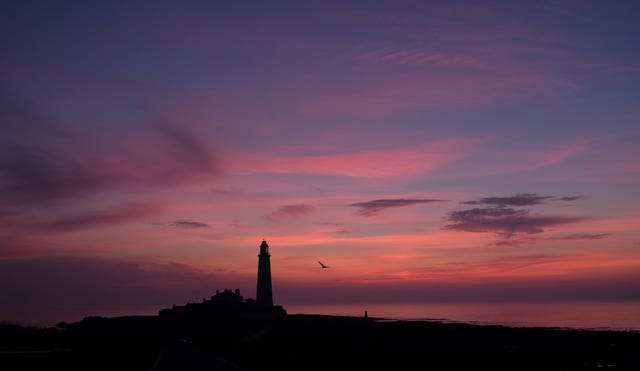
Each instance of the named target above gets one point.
<point>223,305</point>
<point>230,304</point>
<point>264,295</point>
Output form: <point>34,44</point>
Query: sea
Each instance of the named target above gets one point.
<point>621,316</point>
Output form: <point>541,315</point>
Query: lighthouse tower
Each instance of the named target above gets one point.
<point>264,296</point>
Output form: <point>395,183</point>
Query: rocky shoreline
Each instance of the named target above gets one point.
<point>310,342</point>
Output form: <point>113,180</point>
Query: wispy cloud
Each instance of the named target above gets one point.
<point>532,240</point>
<point>579,236</point>
<point>227,191</point>
<point>188,224</point>
<point>499,159</point>
<point>416,57</point>
<point>374,207</point>
<point>568,198</point>
<point>287,211</point>
<point>189,150</point>
<point>93,219</point>
<point>520,199</point>
<point>31,173</point>
<point>404,161</point>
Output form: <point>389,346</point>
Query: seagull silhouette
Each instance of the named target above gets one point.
<point>322,265</point>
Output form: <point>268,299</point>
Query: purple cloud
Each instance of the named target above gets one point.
<point>374,207</point>
<point>287,211</point>
<point>93,219</point>
<point>579,236</point>
<point>188,224</point>
<point>532,240</point>
<point>189,151</point>
<point>505,222</point>
<point>227,191</point>
<point>568,198</point>
<point>520,199</point>
<point>31,172</point>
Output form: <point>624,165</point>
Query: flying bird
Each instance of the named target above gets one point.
<point>322,265</point>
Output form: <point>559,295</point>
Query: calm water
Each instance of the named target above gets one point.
<point>583,315</point>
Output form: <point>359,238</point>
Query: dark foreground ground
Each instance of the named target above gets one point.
<point>310,342</point>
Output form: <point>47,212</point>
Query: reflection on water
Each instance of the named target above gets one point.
<point>584,315</point>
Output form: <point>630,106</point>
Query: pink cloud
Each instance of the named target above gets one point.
<point>164,155</point>
<point>24,245</point>
<point>414,160</point>
<point>103,218</point>
<point>291,211</point>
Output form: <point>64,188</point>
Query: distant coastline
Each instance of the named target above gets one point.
<point>580,315</point>
<point>616,316</point>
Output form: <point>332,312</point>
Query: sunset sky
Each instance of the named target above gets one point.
<point>424,150</point>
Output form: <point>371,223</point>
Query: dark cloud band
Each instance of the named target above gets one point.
<point>188,224</point>
<point>373,207</point>
<point>505,222</point>
<point>520,199</point>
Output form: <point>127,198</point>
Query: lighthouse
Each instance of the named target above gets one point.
<point>264,296</point>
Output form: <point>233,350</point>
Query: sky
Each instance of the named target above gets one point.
<point>426,151</point>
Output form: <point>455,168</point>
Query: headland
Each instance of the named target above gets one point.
<point>309,342</point>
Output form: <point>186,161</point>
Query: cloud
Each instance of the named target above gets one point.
<point>93,219</point>
<point>189,149</point>
<point>188,224</point>
<point>404,161</point>
<point>520,199</point>
<point>505,222</point>
<point>16,244</point>
<point>227,191</point>
<point>497,217</point>
<point>287,211</point>
<point>416,57</point>
<point>32,174</point>
<point>373,207</point>
<point>568,198</point>
<point>500,159</point>
<point>579,236</point>
<point>532,240</point>
<point>35,171</point>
